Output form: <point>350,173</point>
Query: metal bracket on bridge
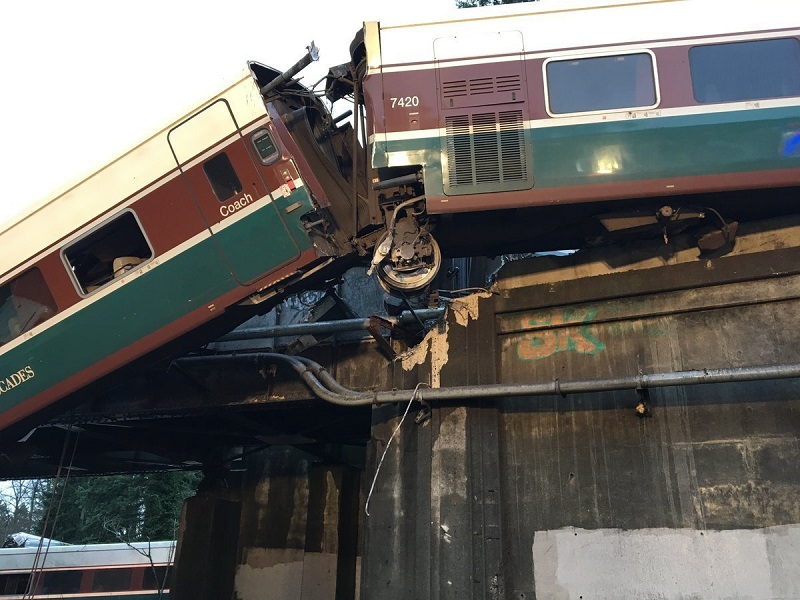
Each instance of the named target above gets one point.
<point>375,325</point>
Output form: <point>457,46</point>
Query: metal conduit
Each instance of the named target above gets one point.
<point>326,378</point>
<point>320,382</point>
<point>309,371</point>
<point>326,327</point>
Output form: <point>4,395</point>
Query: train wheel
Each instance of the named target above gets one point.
<point>410,266</point>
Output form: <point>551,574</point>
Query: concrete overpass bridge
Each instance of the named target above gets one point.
<point>621,422</point>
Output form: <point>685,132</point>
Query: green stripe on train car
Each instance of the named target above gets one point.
<point>140,306</point>
<point>271,233</point>
<point>708,144</point>
<point>642,148</point>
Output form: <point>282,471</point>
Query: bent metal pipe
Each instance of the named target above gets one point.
<point>325,387</point>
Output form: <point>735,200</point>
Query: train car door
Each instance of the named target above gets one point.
<point>231,194</point>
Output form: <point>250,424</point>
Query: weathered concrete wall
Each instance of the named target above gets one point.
<point>298,536</point>
<point>205,561</point>
<point>550,497</point>
<point>288,530</point>
<point>509,498</point>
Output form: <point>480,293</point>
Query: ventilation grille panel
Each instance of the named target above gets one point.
<point>500,89</point>
<point>512,146</point>
<point>486,152</point>
<point>455,89</point>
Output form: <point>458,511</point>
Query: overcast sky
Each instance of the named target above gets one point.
<point>83,81</point>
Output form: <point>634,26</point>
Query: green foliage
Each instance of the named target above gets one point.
<point>117,508</point>
<point>474,3</point>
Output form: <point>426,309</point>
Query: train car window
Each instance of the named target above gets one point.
<point>156,577</point>
<point>112,580</point>
<point>745,70</point>
<point>107,252</point>
<point>222,177</point>
<point>61,582</point>
<point>600,83</point>
<point>25,301</point>
<point>14,583</point>
<point>265,146</point>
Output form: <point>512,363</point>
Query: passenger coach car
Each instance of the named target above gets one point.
<point>524,119</point>
<point>202,217</point>
<point>138,571</point>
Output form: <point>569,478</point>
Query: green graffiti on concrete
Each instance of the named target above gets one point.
<point>547,342</point>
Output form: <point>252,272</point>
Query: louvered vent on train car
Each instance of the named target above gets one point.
<point>483,110</point>
<point>486,152</point>
<point>481,91</point>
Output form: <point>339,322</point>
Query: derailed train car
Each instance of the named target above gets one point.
<point>101,571</point>
<point>506,127</point>
<point>203,222</point>
<point>521,121</point>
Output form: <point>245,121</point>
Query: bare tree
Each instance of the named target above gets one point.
<point>148,554</point>
<point>21,501</point>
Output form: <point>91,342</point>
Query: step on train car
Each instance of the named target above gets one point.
<point>519,121</point>
<point>137,571</point>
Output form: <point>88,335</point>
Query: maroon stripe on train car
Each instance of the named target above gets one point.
<point>147,344</point>
<point>674,77</point>
<point>169,214</point>
<point>137,577</point>
<point>87,581</point>
<point>614,191</point>
<point>58,281</point>
<point>672,64</point>
<point>373,98</point>
<point>167,190</point>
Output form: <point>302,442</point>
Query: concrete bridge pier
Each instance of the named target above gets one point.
<point>284,528</point>
<point>205,562</point>
<point>581,496</point>
<point>558,496</point>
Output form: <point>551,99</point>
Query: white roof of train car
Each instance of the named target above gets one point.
<point>557,24</point>
<point>90,555</point>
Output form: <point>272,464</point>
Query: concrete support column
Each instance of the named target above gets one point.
<point>435,524</point>
<point>292,533</point>
<point>298,535</point>
<point>205,562</point>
